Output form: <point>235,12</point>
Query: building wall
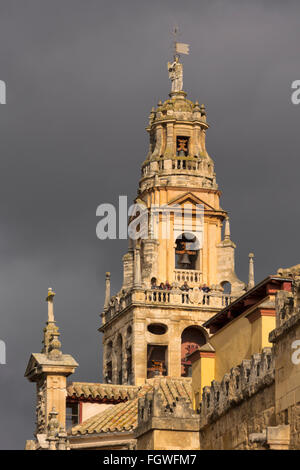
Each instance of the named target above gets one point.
<point>176,321</point>
<point>232,430</point>
<point>139,317</point>
<point>146,441</point>
<point>287,374</point>
<point>165,439</point>
<point>240,339</point>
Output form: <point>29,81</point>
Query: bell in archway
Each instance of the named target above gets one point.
<point>184,259</point>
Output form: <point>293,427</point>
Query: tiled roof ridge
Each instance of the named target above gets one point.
<point>95,390</point>
<point>102,383</point>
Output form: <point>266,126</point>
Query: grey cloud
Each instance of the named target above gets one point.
<point>81,80</point>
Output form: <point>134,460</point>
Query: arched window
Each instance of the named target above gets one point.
<point>191,338</point>
<point>187,252</point>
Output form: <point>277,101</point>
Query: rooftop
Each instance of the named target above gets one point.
<point>270,285</point>
<point>123,417</point>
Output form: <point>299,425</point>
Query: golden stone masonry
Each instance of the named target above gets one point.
<point>193,358</point>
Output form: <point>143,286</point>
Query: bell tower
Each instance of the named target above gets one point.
<point>147,330</point>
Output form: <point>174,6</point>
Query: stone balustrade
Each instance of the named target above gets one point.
<point>185,164</point>
<point>239,384</point>
<point>175,297</point>
<point>192,276</point>
<point>177,164</point>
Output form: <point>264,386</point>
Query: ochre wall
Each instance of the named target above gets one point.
<point>239,340</point>
<point>203,373</point>
<point>232,344</point>
<point>211,232</point>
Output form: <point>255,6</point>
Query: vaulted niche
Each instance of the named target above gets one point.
<point>156,360</point>
<point>157,328</point>
<point>187,252</point>
<point>182,146</point>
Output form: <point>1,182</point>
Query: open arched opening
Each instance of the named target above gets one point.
<point>187,251</point>
<point>157,357</point>
<point>226,286</point>
<point>109,348</point>
<point>119,354</point>
<point>129,356</point>
<point>191,339</point>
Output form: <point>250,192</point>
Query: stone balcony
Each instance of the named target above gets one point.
<point>176,298</point>
<point>191,276</point>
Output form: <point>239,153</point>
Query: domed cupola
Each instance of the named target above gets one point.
<point>177,149</point>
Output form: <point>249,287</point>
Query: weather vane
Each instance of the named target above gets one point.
<point>179,47</point>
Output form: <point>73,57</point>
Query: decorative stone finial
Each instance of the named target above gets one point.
<point>54,351</point>
<point>251,271</point>
<point>197,107</point>
<point>151,116</point>
<point>51,342</point>
<point>49,299</point>
<point>137,266</point>
<point>227,229</point>
<point>107,291</point>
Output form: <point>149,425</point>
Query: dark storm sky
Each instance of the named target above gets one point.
<point>82,76</point>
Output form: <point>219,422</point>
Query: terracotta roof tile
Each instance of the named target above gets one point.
<point>172,389</point>
<point>118,418</point>
<point>101,391</point>
<point>123,417</point>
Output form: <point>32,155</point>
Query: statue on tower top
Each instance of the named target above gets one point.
<point>175,68</point>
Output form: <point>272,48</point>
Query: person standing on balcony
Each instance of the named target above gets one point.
<point>185,286</point>
<point>205,288</point>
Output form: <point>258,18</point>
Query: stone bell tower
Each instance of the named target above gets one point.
<point>149,331</point>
